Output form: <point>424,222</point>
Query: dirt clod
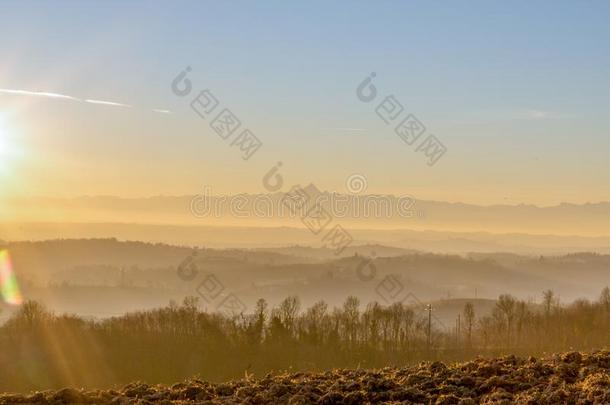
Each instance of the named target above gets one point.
<point>564,378</point>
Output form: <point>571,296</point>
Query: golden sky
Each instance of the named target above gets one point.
<point>520,109</point>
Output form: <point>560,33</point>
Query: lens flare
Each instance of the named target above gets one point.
<point>9,288</point>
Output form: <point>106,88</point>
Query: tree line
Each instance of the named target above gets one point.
<point>44,350</point>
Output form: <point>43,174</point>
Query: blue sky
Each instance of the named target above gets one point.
<point>518,93</point>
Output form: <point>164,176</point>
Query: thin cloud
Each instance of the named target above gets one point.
<point>346,129</point>
<point>546,115</point>
<point>536,114</point>
<point>110,103</point>
<point>162,111</point>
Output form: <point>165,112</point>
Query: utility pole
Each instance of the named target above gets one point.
<point>459,330</point>
<point>428,343</point>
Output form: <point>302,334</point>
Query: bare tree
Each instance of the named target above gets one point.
<point>287,311</point>
<point>469,319</point>
<point>506,305</point>
<point>604,299</point>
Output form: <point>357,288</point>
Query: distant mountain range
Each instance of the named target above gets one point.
<point>354,211</point>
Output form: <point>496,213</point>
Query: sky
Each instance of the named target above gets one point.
<point>516,92</point>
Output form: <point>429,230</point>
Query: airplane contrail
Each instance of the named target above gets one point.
<point>111,103</point>
<point>38,94</point>
<point>71,98</point>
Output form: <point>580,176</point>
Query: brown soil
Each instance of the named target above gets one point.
<point>565,378</point>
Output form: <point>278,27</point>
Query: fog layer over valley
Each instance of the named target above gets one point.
<point>106,277</point>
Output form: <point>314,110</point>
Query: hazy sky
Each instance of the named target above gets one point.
<point>518,92</point>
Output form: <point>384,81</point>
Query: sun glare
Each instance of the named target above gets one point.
<point>4,142</point>
<point>2,137</point>
<point>8,148</point>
